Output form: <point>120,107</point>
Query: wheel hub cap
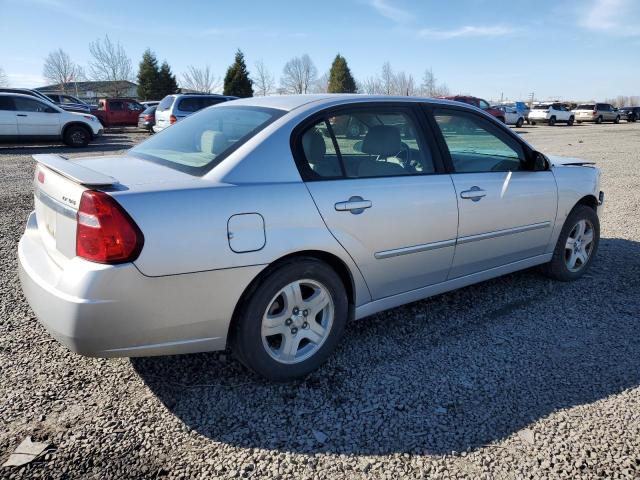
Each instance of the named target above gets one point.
<point>297,321</point>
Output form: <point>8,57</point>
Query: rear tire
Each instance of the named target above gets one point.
<point>277,334</point>
<point>599,120</point>
<point>532,122</point>
<point>77,136</point>
<point>520,122</point>
<point>572,259</point>
<point>552,121</point>
<point>570,122</point>
<point>617,120</point>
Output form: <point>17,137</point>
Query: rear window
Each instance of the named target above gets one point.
<point>149,110</point>
<point>166,103</point>
<point>541,107</point>
<point>193,104</point>
<point>201,141</point>
<point>586,106</point>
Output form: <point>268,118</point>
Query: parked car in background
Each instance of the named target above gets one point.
<point>230,229</point>
<point>69,102</point>
<point>597,112</point>
<point>511,115</point>
<point>147,119</point>
<point>26,91</point>
<point>173,108</point>
<point>478,102</point>
<point>118,111</point>
<point>630,114</point>
<point>551,113</point>
<point>26,117</point>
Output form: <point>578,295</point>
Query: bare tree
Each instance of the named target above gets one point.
<point>60,69</point>
<point>321,85</point>
<point>370,86</point>
<point>429,84</point>
<point>403,84</point>
<point>4,80</point>
<point>387,79</point>
<point>263,82</point>
<point>109,61</point>
<point>298,74</point>
<point>200,79</point>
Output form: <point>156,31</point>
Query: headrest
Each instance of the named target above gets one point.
<point>382,140</point>
<point>313,146</point>
<point>214,142</point>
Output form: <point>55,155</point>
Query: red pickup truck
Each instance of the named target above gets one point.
<point>118,111</point>
<point>478,102</point>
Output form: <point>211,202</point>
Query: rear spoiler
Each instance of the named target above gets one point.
<point>74,170</point>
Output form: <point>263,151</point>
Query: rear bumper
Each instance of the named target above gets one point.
<point>115,311</point>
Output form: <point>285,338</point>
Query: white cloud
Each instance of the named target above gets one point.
<point>615,17</point>
<point>467,31</point>
<point>391,12</point>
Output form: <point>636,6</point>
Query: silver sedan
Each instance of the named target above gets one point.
<point>266,224</point>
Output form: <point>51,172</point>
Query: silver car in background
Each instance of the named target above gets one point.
<point>174,108</point>
<point>261,225</point>
<point>597,112</point>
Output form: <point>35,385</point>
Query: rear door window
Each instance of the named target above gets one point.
<point>6,103</point>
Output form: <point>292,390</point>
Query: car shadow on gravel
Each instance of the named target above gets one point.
<point>452,373</point>
<point>107,143</point>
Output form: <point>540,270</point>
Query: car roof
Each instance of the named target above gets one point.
<point>292,102</point>
<point>13,94</point>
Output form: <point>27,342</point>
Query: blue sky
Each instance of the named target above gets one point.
<point>582,49</point>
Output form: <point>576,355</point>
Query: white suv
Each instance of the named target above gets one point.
<point>172,108</point>
<point>23,117</point>
<point>551,113</point>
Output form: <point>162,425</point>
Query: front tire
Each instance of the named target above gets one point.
<point>576,246</point>
<point>520,122</point>
<point>599,120</point>
<point>552,121</point>
<point>76,136</point>
<point>617,120</point>
<point>570,122</point>
<point>291,321</point>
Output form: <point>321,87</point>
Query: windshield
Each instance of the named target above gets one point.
<point>201,141</point>
<point>586,106</point>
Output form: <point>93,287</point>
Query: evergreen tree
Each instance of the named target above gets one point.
<point>149,77</point>
<point>237,81</point>
<point>167,83</point>
<point>340,78</point>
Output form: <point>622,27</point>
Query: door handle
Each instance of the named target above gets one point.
<point>355,205</point>
<point>21,115</point>
<point>474,193</point>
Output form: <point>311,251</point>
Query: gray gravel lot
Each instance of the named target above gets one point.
<point>518,377</point>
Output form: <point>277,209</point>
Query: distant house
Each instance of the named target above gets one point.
<point>90,92</point>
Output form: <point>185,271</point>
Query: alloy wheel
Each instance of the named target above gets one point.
<point>297,321</point>
<point>579,246</point>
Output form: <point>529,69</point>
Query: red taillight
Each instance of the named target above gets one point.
<point>41,176</point>
<point>148,118</point>
<point>595,112</point>
<point>105,232</point>
<point>172,119</point>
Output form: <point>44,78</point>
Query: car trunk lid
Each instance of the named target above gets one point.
<point>59,184</point>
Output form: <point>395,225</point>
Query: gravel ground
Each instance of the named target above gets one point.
<point>518,377</point>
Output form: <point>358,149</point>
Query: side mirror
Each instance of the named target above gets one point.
<point>540,162</point>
